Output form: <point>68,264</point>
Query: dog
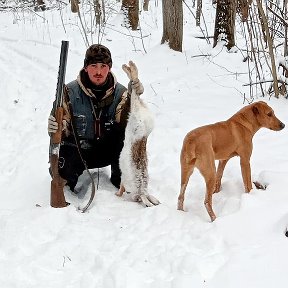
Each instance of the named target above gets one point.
<point>133,159</point>
<point>222,141</point>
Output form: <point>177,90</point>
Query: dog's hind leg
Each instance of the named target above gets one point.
<point>219,174</point>
<point>210,179</point>
<point>186,171</point>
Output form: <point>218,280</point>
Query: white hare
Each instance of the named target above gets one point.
<point>133,158</point>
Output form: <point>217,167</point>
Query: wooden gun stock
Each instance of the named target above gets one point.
<point>56,137</point>
<point>57,199</point>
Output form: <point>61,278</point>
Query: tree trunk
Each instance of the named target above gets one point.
<point>286,28</point>
<point>172,11</point>
<point>198,12</point>
<point>40,5</point>
<point>131,12</point>
<point>97,11</point>
<point>74,6</point>
<point>243,9</point>
<point>145,5</point>
<point>262,27</point>
<point>225,22</point>
<point>270,46</point>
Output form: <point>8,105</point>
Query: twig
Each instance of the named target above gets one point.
<point>29,9</point>
<point>266,81</point>
<point>129,35</point>
<point>142,38</point>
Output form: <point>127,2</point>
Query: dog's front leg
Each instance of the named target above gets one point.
<point>246,173</point>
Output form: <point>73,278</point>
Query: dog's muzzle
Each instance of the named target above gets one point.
<point>282,125</point>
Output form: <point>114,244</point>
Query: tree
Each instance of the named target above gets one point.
<point>172,11</point>
<point>198,12</point>
<point>145,5</point>
<point>97,11</point>
<point>285,4</point>
<point>74,6</point>
<point>225,22</point>
<point>243,9</point>
<point>270,47</point>
<point>131,12</point>
<point>40,5</point>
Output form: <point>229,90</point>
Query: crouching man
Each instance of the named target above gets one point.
<point>97,117</point>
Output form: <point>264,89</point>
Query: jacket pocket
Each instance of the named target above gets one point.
<point>81,124</point>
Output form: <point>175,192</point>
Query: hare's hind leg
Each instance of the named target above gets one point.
<point>142,177</point>
<point>148,199</point>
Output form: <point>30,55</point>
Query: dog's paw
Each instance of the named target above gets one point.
<point>217,187</point>
<point>180,205</point>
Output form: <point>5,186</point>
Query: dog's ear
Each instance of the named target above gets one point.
<point>255,110</point>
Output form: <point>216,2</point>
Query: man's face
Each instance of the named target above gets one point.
<point>97,73</point>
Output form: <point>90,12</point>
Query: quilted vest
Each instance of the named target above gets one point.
<point>83,112</point>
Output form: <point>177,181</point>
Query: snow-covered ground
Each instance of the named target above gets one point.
<point>118,243</point>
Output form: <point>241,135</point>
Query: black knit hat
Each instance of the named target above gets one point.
<point>98,53</point>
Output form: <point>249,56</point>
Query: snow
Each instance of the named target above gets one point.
<point>119,243</point>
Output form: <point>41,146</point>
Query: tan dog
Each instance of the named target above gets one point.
<point>222,141</point>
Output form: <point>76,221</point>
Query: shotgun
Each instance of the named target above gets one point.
<point>57,199</point>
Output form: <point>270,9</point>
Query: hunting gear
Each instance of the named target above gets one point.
<point>95,113</point>
<point>57,199</point>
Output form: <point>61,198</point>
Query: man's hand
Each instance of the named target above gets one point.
<point>137,86</point>
<point>53,125</point>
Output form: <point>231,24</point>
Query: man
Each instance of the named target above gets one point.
<point>97,117</point>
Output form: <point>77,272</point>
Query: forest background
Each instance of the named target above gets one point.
<point>118,243</point>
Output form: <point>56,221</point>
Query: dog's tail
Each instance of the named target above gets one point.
<point>187,160</point>
<point>188,153</point>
